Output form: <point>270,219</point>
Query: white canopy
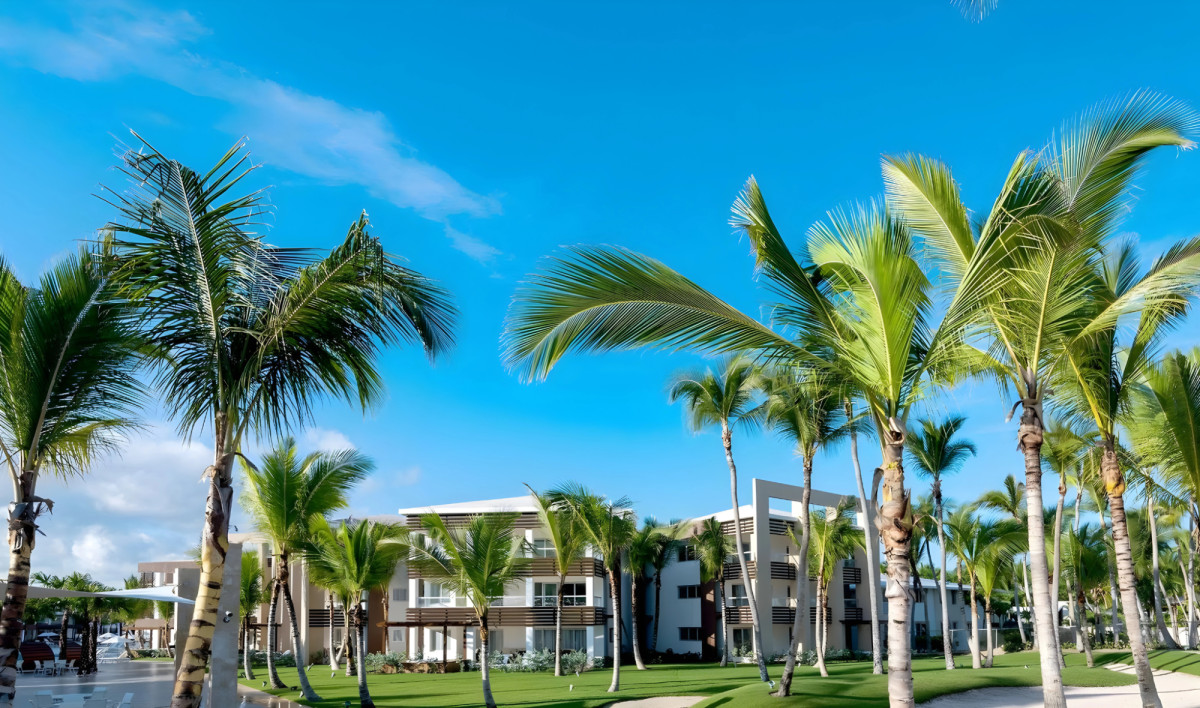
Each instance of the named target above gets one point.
<point>155,593</point>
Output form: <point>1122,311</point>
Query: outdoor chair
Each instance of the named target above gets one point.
<point>42,699</point>
<point>95,702</point>
<point>126,701</point>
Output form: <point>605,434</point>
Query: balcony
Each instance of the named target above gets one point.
<point>583,567</point>
<point>506,615</point>
<point>850,574</point>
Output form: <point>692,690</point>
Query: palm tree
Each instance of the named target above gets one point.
<point>247,337</point>
<point>935,453</point>
<point>859,293</point>
<point>664,553</point>
<point>569,546</point>
<point>131,609</point>
<point>250,596</point>
<point>1085,569</point>
<point>805,409</point>
<point>609,529</point>
<point>283,496</point>
<point>870,536</point>
<point>358,557</point>
<point>648,544</point>
<point>992,565</point>
<point>1010,502</point>
<point>476,561</point>
<point>727,398</point>
<point>1061,210</point>
<point>713,549</point>
<point>833,538</point>
<point>980,545</point>
<point>67,395</point>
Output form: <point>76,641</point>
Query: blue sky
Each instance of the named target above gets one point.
<point>482,136</point>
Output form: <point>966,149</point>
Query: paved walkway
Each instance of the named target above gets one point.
<point>659,702</point>
<point>1176,690</point>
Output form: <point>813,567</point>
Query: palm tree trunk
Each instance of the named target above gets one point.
<point>1030,436</point>
<point>872,548</point>
<point>485,670</point>
<point>820,626</point>
<point>1156,581</point>
<point>635,609</point>
<point>189,681</point>
<point>1017,603</point>
<point>62,632</point>
<point>247,664</point>
<point>1114,485</point>
<point>22,533</point>
<point>1057,568</point>
<point>301,656</point>
<point>1190,575</point>
<point>360,656</point>
<point>974,617</point>
<point>347,644</point>
<point>657,610</point>
<point>1085,642</point>
<point>1100,629</point>
<point>724,619</point>
<point>895,528</point>
<point>334,653</point>
<point>987,628</point>
<point>614,593</point>
<point>1029,600</point>
<point>756,627</point>
<point>1112,576</point>
<point>272,633</point>
<point>800,620</point>
<point>947,647</point>
<point>562,579</point>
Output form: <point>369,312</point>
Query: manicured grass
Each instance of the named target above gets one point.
<point>1186,662</point>
<point>849,685</point>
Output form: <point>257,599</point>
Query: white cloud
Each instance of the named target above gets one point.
<point>291,129</point>
<point>476,249</point>
<point>408,477</point>
<point>328,440</point>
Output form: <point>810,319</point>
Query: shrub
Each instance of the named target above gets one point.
<point>259,658</point>
<point>1010,641</point>
<point>575,662</point>
<point>376,662</point>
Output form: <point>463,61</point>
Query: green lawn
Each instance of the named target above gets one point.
<point>1186,662</point>
<point>849,685</point>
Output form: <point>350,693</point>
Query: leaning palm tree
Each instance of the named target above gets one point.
<point>728,398</point>
<point>357,557</point>
<point>248,338</point>
<point>609,529</point>
<point>806,409</point>
<point>833,538</point>
<point>569,546</point>
<point>935,453</point>
<point>67,395</point>
<point>478,561</point>
<point>713,548</point>
<point>282,496</point>
<point>1062,209</point>
<point>1103,372</point>
<point>250,596</point>
<point>856,292</point>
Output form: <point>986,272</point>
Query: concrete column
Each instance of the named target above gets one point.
<point>224,659</point>
<point>301,576</point>
<point>760,553</point>
<point>187,585</point>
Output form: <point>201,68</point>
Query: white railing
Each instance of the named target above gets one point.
<point>783,602</point>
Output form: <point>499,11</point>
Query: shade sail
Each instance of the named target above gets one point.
<point>156,593</point>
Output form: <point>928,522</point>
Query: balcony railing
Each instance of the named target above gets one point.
<point>509,601</point>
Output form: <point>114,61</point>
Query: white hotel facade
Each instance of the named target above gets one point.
<point>418,616</point>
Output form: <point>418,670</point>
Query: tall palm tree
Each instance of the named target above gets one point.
<point>805,409</point>
<point>728,398</point>
<point>977,543</point>
<point>282,496</point>
<point>665,553</point>
<point>1085,569</point>
<point>569,546</point>
<point>250,596</point>
<point>67,395</point>
<point>648,544</point>
<point>935,453</point>
<point>870,534</point>
<point>609,528</point>
<point>247,337</point>
<point>131,610</point>
<point>1099,382</point>
<point>358,557</point>
<point>1061,209</point>
<point>477,561</point>
<point>1010,502</point>
<point>713,549</point>
<point>860,293</point>
<point>833,538</point>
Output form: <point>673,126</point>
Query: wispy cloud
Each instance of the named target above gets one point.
<point>327,440</point>
<point>291,129</point>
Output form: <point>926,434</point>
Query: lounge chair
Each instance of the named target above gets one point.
<point>42,699</point>
<point>126,701</point>
<point>95,702</point>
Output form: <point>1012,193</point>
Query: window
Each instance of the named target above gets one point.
<point>543,548</point>
<point>546,594</point>
<point>737,596</point>
<point>687,552</point>
<point>572,639</point>
<point>399,594</point>
<point>337,635</point>
<point>397,635</point>
<point>689,634</point>
<point>689,592</point>
<point>743,640</point>
<point>434,595</point>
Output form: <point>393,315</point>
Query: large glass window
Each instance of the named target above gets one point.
<point>687,552</point>
<point>689,634</point>
<point>687,592</point>
<point>572,639</point>
<point>543,548</point>
<point>737,596</point>
<point>546,594</point>
<point>743,640</point>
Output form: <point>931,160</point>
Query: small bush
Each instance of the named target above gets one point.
<point>536,661</point>
<point>1010,641</point>
<point>376,662</point>
<point>259,658</point>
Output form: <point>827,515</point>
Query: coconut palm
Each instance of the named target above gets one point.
<point>67,395</point>
<point>250,596</point>
<point>980,545</point>
<point>358,557</point>
<point>664,553</point>
<point>1010,502</point>
<point>728,398</point>
<point>870,535</point>
<point>935,453</point>
<point>130,610</point>
<point>806,409</point>
<point>609,528</point>
<point>833,538</point>
<point>1085,570</point>
<point>713,549</point>
<point>648,543</point>
<point>247,337</point>
<point>569,546</point>
<point>282,496</point>
<point>1062,209</point>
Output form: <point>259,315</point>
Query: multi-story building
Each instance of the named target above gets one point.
<point>420,617</point>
